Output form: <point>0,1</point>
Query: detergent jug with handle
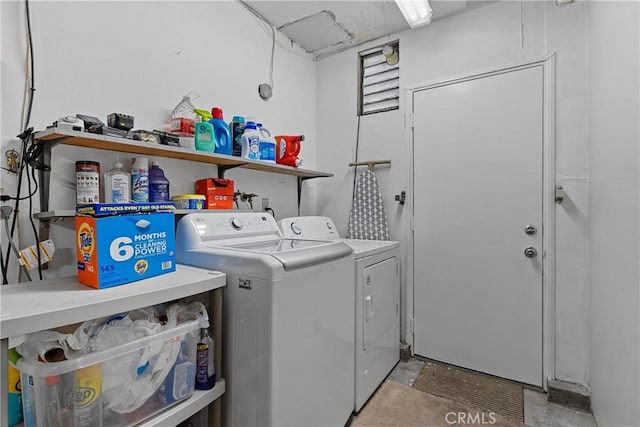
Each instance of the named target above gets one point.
<point>287,150</point>
<point>251,141</point>
<point>267,145</point>
<point>223,141</point>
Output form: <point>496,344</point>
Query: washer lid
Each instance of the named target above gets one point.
<point>296,253</point>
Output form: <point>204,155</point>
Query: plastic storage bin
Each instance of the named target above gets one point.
<point>120,386</point>
<point>189,201</point>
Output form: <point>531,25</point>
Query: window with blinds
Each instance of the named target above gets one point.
<point>379,82</point>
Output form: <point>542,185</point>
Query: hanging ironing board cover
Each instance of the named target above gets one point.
<point>368,219</point>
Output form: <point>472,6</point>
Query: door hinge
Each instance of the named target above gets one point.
<point>413,326</point>
<point>411,224</point>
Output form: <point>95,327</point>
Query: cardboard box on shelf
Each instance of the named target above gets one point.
<point>218,191</point>
<point>122,243</point>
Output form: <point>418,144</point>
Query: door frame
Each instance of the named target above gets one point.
<point>548,205</point>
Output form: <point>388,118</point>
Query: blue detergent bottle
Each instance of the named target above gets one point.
<point>180,381</point>
<point>223,141</point>
<point>267,144</point>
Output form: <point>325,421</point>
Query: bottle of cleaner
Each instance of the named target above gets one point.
<point>140,180</point>
<point>205,369</point>
<point>237,129</point>
<point>87,396</point>
<point>117,185</point>
<point>251,141</point>
<point>267,145</point>
<point>55,412</point>
<point>222,134</point>
<point>180,381</point>
<point>158,184</point>
<point>15,394</point>
<point>204,139</point>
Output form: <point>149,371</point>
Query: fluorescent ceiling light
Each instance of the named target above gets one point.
<point>416,12</point>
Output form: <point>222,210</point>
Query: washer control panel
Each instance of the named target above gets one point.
<point>219,225</point>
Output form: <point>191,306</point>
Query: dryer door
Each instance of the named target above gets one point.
<point>380,283</point>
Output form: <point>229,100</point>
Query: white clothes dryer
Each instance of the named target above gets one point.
<point>377,297</point>
<point>288,319</point>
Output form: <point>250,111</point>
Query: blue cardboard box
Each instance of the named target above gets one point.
<point>118,244</point>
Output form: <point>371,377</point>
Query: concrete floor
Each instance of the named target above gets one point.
<point>537,411</point>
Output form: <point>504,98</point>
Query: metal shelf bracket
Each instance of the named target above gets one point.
<point>223,168</point>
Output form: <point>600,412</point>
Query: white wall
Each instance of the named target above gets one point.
<point>488,37</point>
<point>614,139</point>
<point>139,58</point>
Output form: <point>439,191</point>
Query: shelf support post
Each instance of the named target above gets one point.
<point>44,178</point>
<point>4,377</point>
<point>44,181</point>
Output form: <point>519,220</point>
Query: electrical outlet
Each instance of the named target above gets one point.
<point>265,203</point>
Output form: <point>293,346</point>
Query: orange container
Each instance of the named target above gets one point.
<point>218,192</point>
<point>287,150</point>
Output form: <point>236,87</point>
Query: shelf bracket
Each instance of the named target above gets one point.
<point>223,168</point>
<point>301,179</point>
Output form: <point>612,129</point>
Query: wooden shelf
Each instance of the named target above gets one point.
<point>61,214</point>
<point>55,136</point>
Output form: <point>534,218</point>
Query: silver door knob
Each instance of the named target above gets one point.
<point>530,230</point>
<point>531,252</point>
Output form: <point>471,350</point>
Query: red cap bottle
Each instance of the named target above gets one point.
<point>216,113</point>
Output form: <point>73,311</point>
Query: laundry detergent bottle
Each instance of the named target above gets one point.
<point>237,129</point>
<point>251,141</point>
<point>267,145</point>
<point>222,134</point>
<point>204,137</point>
<point>288,149</point>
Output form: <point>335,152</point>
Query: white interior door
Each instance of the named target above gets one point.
<point>477,182</point>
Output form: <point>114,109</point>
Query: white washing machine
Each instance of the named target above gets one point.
<point>288,319</point>
<point>377,296</point>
